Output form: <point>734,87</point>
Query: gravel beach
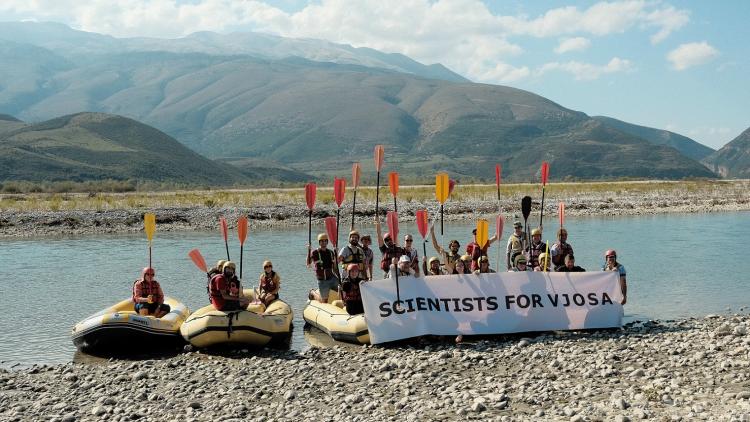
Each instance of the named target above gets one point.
<point>693,369</point>
<point>728,196</point>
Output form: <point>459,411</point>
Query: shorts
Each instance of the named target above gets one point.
<point>152,307</point>
<point>325,286</point>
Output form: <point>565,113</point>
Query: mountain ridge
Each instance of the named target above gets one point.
<point>733,159</point>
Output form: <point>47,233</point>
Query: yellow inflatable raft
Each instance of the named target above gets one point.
<point>255,326</point>
<point>120,328</point>
<point>333,319</point>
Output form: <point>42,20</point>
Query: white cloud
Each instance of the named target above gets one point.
<point>572,44</point>
<point>586,71</point>
<point>692,54</point>
<point>462,34</point>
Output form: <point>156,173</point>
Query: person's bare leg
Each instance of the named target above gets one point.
<point>143,311</point>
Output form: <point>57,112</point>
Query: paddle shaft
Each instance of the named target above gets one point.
<point>441,220</point>
<point>226,244</point>
<point>309,227</point>
<point>395,206</point>
<point>241,250</point>
<point>149,254</point>
<point>354,205</point>
<point>541,210</point>
<point>377,195</point>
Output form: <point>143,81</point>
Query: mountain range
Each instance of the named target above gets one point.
<point>733,159</point>
<point>261,102</point>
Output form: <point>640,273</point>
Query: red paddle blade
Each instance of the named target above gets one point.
<point>499,223</point>
<point>393,183</point>
<point>392,219</point>
<point>498,174</point>
<point>339,186</point>
<point>242,229</point>
<point>451,185</point>
<point>378,157</point>
<point>561,213</point>
<point>356,174</point>
<point>197,258</point>
<point>310,190</point>
<point>331,230</point>
<point>224,230</point>
<point>422,222</point>
<point>545,172</point>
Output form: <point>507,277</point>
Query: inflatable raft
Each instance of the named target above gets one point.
<point>255,326</point>
<point>332,319</point>
<point>120,328</point>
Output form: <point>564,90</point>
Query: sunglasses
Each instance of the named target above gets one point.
<point>150,274</point>
<point>409,240</point>
<point>268,266</point>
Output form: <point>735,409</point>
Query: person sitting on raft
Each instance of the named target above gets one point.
<point>560,249</point>
<point>226,290</point>
<point>484,266</point>
<point>148,296</point>
<point>451,255</point>
<point>519,264</point>
<point>404,267</point>
<point>388,248</point>
<point>325,269</point>
<point>543,262</point>
<point>611,264</point>
<point>475,251</point>
<point>461,267</point>
<point>431,267</point>
<point>350,291</point>
<point>217,269</point>
<point>570,265</point>
<point>369,256</point>
<point>516,245</point>
<point>269,284</point>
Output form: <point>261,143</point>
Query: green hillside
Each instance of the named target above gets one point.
<point>95,146</point>
<point>733,159</point>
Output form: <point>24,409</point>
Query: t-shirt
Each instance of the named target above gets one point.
<point>620,268</point>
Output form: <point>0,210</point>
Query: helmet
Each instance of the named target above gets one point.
<point>220,263</point>
<point>147,270</point>
<point>519,259</point>
<point>536,231</point>
<point>267,263</point>
<point>352,267</point>
<point>610,252</point>
<point>404,258</point>
<point>353,232</point>
<point>465,258</point>
<point>386,236</point>
<point>483,258</point>
<point>431,260</point>
<point>229,264</point>
<point>542,257</point>
<point>322,236</point>
<point>517,224</point>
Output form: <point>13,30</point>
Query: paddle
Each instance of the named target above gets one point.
<point>498,179</point>
<point>392,220</point>
<point>442,186</point>
<point>499,223</point>
<point>378,166</point>
<point>393,186</point>
<point>197,258</point>
<point>333,235</point>
<point>422,227</point>
<point>242,234</point>
<point>545,175</point>
<point>546,257</point>
<point>310,190</point>
<point>339,186</point>
<point>525,210</point>
<point>149,225</point>
<point>483,235</point>
<point>224,232</point>
<point>451,185</point>
<point>561,213</point>
<point>356,174</point>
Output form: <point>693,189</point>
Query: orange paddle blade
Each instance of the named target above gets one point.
<point>498,174</point>
<point>451,185</point>
<point>545,172</point>
<point>339,186</point>
<point>242,229</point>
<point>310,190</point>
<point>442,187</point>
<point>483,231</point>
<point>378,157</point>
<point>356,174</point>
<point>422,222</point>
<point>197,258</point>
<point>499,223</point>
<point>393,183</point>
<point>332,231</point>
<point>392,220</point>
<point>561,213</point>
<point>224,230</point>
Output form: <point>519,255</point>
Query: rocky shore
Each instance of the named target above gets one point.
<point>693,369</point>
<point>15,223</point>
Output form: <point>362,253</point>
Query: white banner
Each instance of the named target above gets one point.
<point>491,304</point>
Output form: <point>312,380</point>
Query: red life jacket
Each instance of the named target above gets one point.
<point>350,290</point>
<point>564,250</point>
<point>147,289</point>
<point>388,255</point>
<point>323,263</point>
<point>268,283</point>
<point>475,252</point>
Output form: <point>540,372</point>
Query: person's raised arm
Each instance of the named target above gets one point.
<point>435,245</point>
<point>378,231</point>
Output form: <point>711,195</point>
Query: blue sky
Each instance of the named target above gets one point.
<point>680,66</point>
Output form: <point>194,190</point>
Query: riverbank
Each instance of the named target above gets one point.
<point>679,370</point>
<point>77,214</point>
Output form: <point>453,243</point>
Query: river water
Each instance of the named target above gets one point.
<point>677,265</point>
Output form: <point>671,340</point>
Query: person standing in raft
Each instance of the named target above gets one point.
<point>516,245</point>
<point>350,291</point>
<point>570,265</point>
<point>325,269</point>
<point>560,249</point>
<point>484,266</point>
<point>148,296</point>
<point>225,290</point>
<point>519,264</point>
<point>369,255</point>
<point>412,253</point>
<point>404,267</point>
<point>611,264</point>
<point>535,249</point>
<point>475,251</point>
<point>352,254</point>
<point>269,284</point>
<point>431,267</point>
<point>451,255</point>
<point>388,248</point>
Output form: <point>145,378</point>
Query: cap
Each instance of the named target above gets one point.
<point>404,258</point>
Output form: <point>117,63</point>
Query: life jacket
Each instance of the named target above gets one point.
<point>324,259</point>
<point>146,288</point>
<point>268,282</point>
<point>564,249</point>
<point>357,256</point>
<point>476,252</point>
<point>451,258</point>
<point>534,252</point>
<point>350,290</point>
<point>388,255</point>
<point>209,276</point>
<point>516,245</point>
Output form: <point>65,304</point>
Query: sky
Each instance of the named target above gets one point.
<point>679,65</point>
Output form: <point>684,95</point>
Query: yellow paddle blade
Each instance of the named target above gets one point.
<point>149,224</point>
<point>442,187</point>
<point>483,231</point>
